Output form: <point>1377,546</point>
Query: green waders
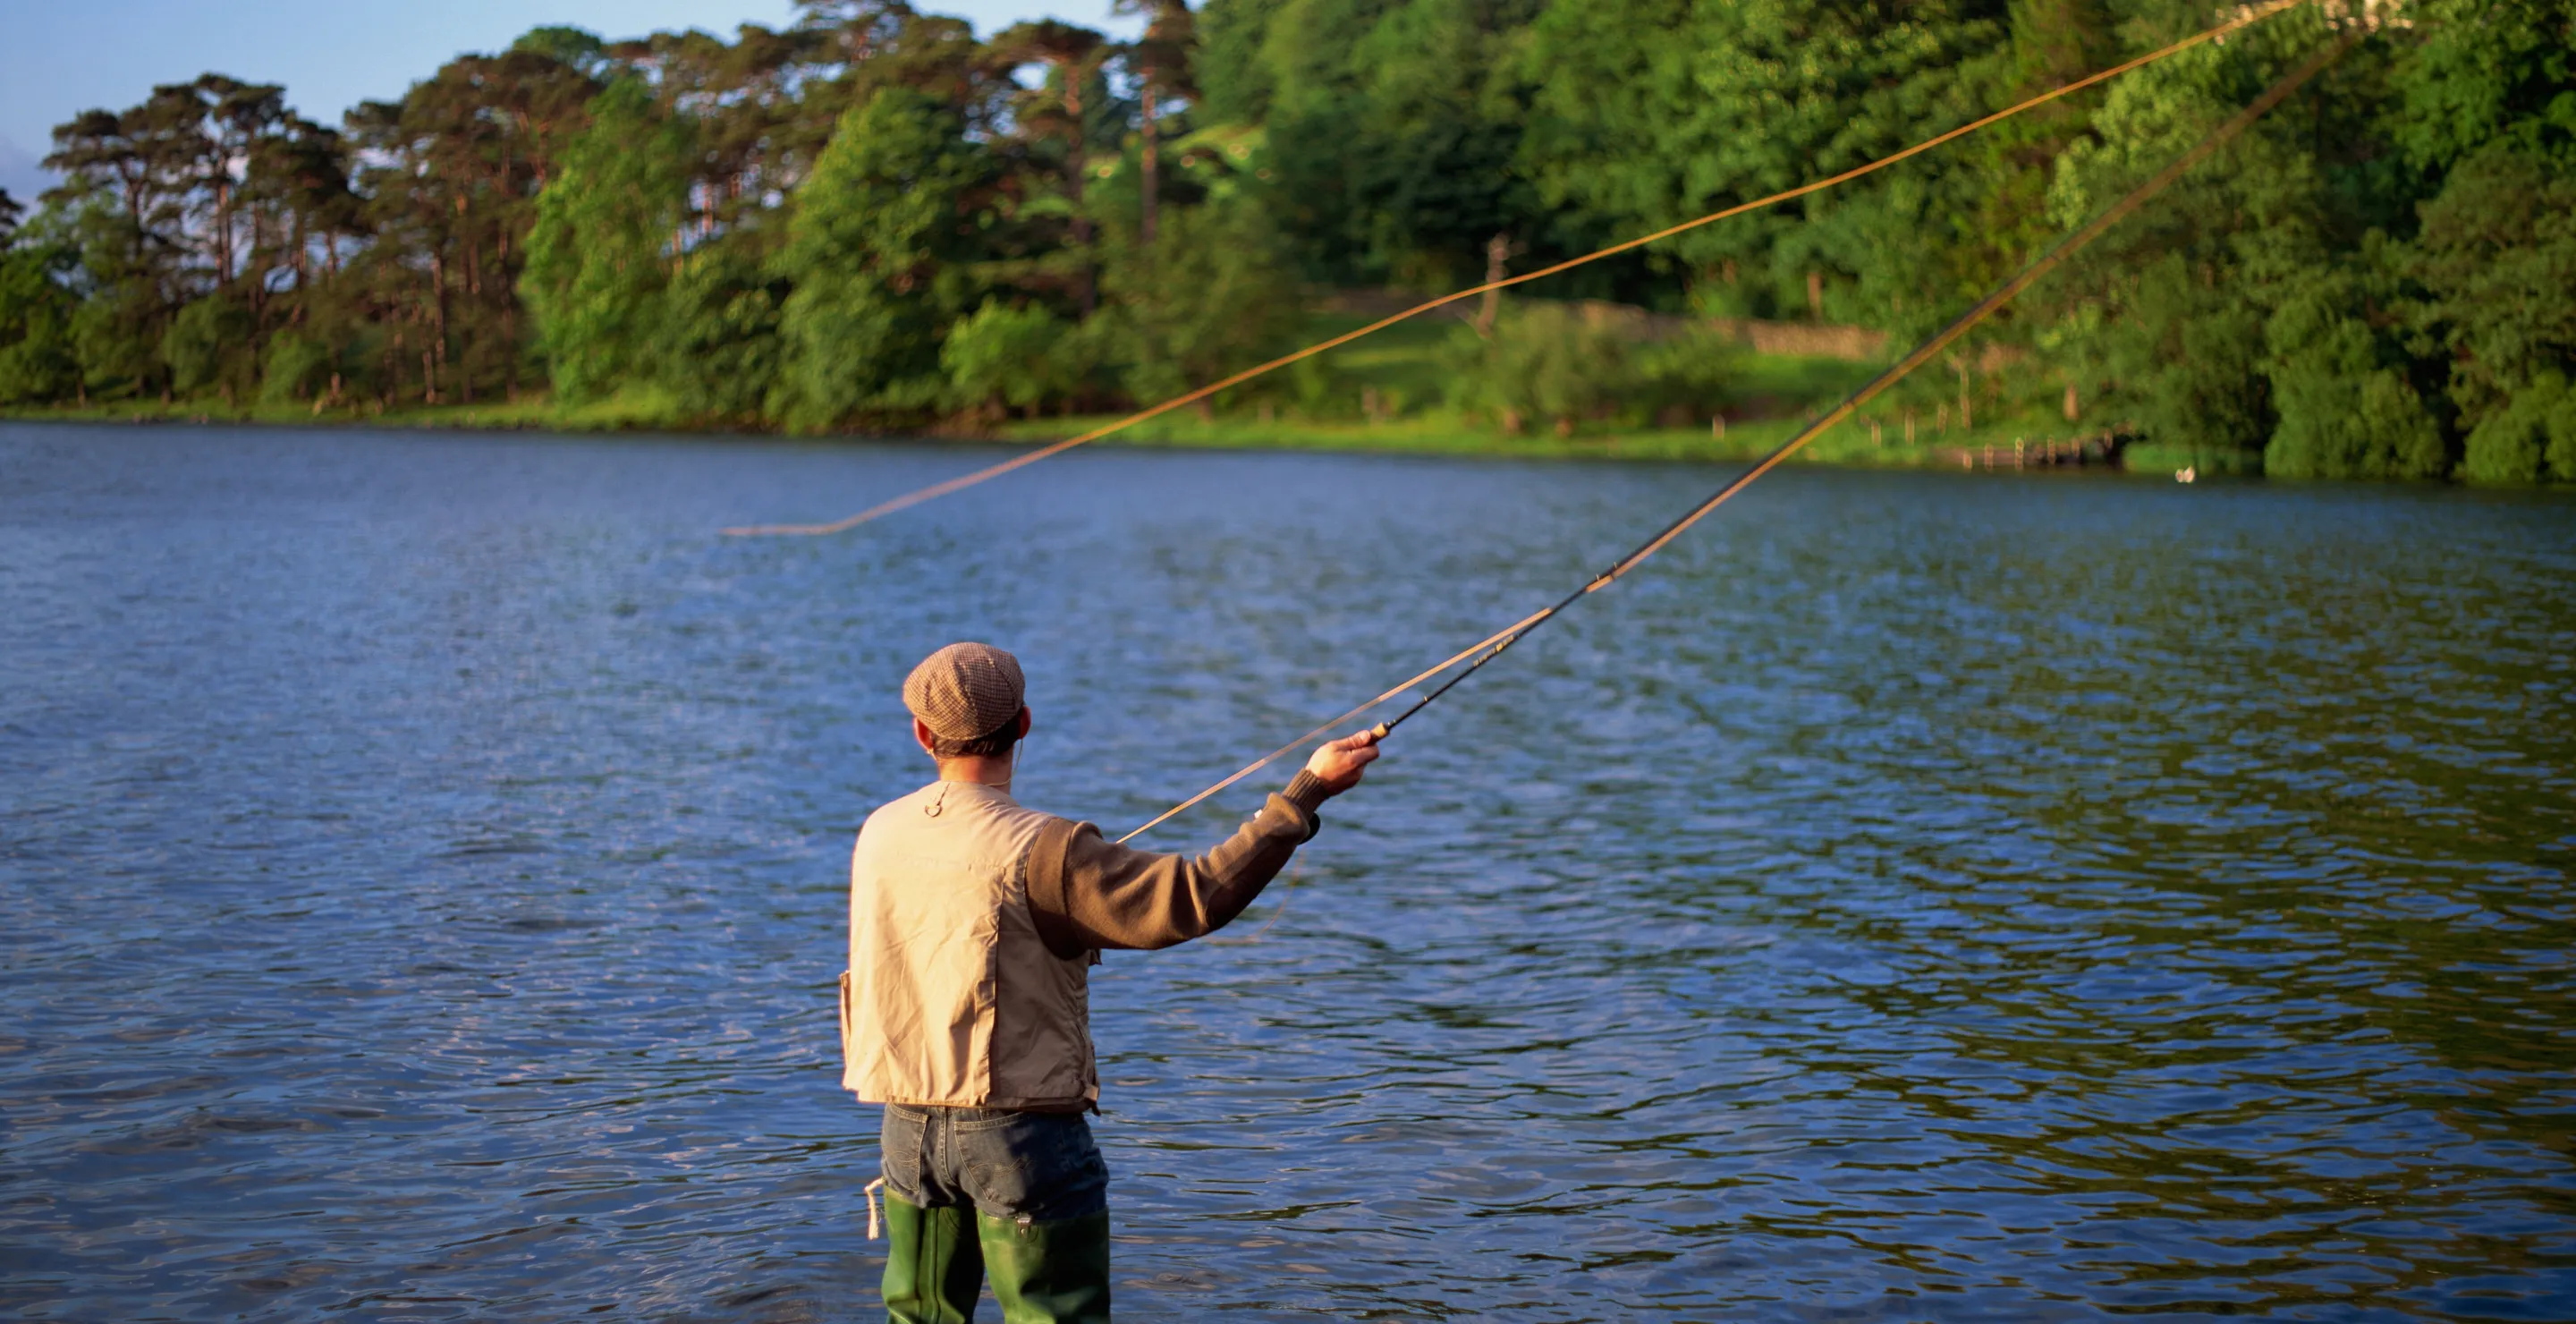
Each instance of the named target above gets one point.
<point>1043,1273</point>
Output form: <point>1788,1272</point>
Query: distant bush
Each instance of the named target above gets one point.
<point>2149,457</point>
<point>2529,439</point>
<point>1546,361</point>
<point>1689,374</point>
<point>1005,357</point>
<point>1562,363</point>
<point>208,347</point>
<point>37,362</point>
<point>2346,407</point>
<point>296,367</point>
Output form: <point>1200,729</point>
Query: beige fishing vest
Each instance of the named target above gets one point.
<point>951,998</point>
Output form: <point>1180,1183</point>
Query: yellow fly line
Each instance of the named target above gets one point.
<point>1485,650</point>
<point>2245,16</point>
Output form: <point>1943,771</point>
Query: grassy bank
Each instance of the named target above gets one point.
<point>1432,431</point>
<point>529,411</point>
<point>1447,432</point>
<point>1388,393</point>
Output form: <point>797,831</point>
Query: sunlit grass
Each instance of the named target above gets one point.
<point>1392,392</point>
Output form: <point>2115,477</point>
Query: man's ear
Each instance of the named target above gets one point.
<point>921,734</point>
<point>1025,722</point>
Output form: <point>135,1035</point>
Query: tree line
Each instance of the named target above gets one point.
<point>874,217</point>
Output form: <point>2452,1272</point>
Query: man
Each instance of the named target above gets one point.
<point>965,1012</point>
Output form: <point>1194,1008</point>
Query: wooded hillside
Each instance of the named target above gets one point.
<point>877,218</point>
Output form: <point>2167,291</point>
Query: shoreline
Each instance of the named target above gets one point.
<point>2002,446</point>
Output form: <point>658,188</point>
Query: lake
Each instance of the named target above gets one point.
<point>1912,896</point>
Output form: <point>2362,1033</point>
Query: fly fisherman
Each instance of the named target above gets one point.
<point>964,1012</point>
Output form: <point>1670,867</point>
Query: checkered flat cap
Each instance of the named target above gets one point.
<point>965,690</point>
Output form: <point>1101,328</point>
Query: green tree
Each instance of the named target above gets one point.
<point>2498,255</point>
<point>209,347</point>
<point>450,197</point>
<point>1218,294</point>
<point>1001,356</point>
<point>2531,438</point>
<point>2490,71</point>
<point>2250,307</point>
<point>1393,128</point>
<point>877,253</point>
<point>600,252</point>
<point>1063,118</point>
<point>1162,59</point>
<point>37,305</point>
<point>116,338</point>
<point>718,350</point>
<point>2491,103</point>
<point>1429,170</point>
<point>1648,112</point>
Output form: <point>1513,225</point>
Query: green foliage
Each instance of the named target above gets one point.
<point>1392,127</point>
<point>111,339</point>
<point>598,256</point>
<point>2491,71</point>
<point>1562,363</point>
<point>1648,112</point>
<point>717,348</point>
<point>37,358</point>
<point>2499,256</point>
<point>1005,356</point>
<point>1216,293</point>
<point>2532,437</point>
<point>871,253</point>
<point>296,367</point>
<point>1547,360</point>
<point>209,348</point>
<point>2344,424</point>
<point>2190,361</point>
<point>870,216</point>
<point>1692,374</point>
<point>2347,409</point>
<point>2255,305</point>
<point>574,48</point>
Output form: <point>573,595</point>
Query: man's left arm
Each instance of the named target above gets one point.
<point>1089,893</point>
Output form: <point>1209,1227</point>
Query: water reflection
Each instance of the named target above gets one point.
<point>1913,897</point>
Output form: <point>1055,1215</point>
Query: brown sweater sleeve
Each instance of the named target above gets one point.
<point>1088,893</point>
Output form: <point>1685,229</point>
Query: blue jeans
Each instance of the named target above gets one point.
<point>1022,1167</point>
<point>972,1193</point>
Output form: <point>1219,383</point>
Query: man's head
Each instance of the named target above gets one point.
<point>967,701</point>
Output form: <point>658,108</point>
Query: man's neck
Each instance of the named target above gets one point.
<point>988,771</point>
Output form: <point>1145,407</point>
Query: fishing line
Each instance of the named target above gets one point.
<point>2244,17</point>
<point>1493,646</point>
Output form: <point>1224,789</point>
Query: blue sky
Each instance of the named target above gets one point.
<point>58,57</point>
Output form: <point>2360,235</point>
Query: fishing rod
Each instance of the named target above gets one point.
<point>2244,17</point>
<point>1494,645</point>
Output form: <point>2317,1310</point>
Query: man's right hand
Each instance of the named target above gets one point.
<point>1338,765</point>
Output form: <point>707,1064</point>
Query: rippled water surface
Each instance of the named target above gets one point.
<point>1913,897</point>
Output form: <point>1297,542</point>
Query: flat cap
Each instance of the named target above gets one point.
<point>965,690</point>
